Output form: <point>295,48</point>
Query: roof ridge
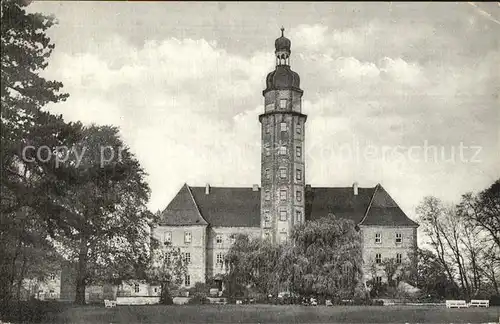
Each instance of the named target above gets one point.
<point>370,204</point>
<point>195,203</point>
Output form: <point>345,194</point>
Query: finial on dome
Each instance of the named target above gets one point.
<point>282,31</point>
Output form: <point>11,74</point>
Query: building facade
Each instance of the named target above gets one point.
<point>203,221</point>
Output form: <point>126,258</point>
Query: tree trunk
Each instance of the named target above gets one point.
<point>81,273</point>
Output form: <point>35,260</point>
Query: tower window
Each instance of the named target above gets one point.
<point>378,258</point>
<point>298,151</point>
<point>283,173</point>
<point>282,150</point>
<point>378,238</point>
<point>283,214</point>
<point>267,195</point>
<point>298,195</point>
<point>398,258</point>
<point>283,103</point>
<point>267,219</point>
<point>267,174</point>
<point>283,194</point>
<point>298,129</point>
<point>283,127</point>
<point>268,128</point>
<point>298,174</point>
<point>298,216</point>
<point>267,150</point>
<point>399,238</point>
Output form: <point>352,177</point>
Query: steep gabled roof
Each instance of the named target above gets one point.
<point>240,207</point>
<point>226,206</point>
<point>384,211</point>
<point>182,210</point>
<point>340,201</point>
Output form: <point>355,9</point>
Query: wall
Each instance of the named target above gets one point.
<point>388,248</point>
<point>197,247</point>
<point>137,300</point>
<point>213,249</point>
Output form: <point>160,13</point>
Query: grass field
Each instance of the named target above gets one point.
<point>275,314</point>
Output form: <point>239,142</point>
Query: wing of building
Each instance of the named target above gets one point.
<point>203,221</point>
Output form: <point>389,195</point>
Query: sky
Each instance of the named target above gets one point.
<point>401,94</point>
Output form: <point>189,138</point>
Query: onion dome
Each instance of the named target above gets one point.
<point>282,43</point>
<point>282,78</point>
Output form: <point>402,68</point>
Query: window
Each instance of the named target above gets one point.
<point>283,127</point>
<point>298,129</point>
<point>168,257</point>
<point>298,174</point>
<point>266,236</point>
<point>378,238</point>
<point>218,239</point>
<point>267,219</point>
<point>268,128</point>
<point>378,280</point>
<point>399,238</point>
<point>136,288</point>
<point>168,237</point>
<point>283,194</point>
<point>187,237</point>
<point>267,195</point>
<point>267,174</point>
<point>398,257</point>
<point>187,280</point>
<point>283,214</point>
<point>232,238</point>
<point>298,216</point>
<point>219,259</point>
<point>378,258</point>
<point>187,258</point>
<point>283,173</point>
<point>282,150</point>
<point>267,150</point>
<point>298,195</point>
<point>298,151</point>
<point>283,238</point>
<point>156,290</point>
<point>52,276</point>
<point>283,104</point>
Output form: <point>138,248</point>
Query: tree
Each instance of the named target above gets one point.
<point>425,271</point>
<point>251,263</point>
<point>107,198</point>
<point>26,210</point>
<point>323,258</point>
<point>167,267</point>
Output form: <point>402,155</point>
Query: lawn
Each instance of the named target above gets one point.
<point>275,314</point>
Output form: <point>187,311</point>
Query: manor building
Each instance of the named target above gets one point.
<point>203,221</point>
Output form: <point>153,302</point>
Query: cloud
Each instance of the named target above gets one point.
<point>189,108</point>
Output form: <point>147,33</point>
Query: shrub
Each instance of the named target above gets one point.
<point>198,298</point>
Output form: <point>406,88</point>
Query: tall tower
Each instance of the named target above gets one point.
<point>282,166</point>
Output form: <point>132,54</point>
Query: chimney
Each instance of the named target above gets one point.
<point>255,187</point>
<point>355,188</point>
<point>207,189</point>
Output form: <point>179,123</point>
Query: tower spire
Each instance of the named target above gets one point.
<point>282,31</point>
